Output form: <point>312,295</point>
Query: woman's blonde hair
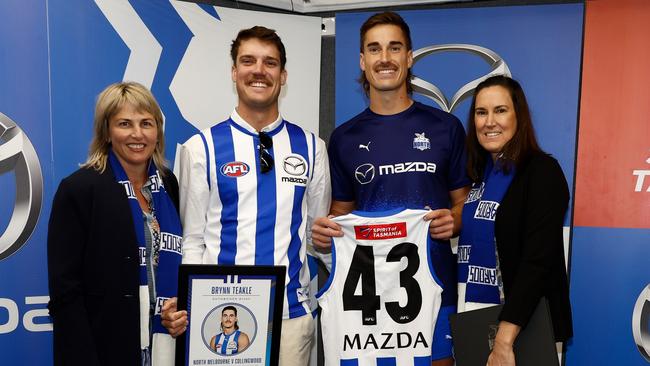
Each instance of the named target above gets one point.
<point>109,103</point>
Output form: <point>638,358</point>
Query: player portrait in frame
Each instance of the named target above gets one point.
<point>234,314</point>
<point>229,329</point>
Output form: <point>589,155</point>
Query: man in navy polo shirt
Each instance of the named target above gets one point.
<point>400,153</point>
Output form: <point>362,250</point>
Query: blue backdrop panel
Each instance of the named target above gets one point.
<point>541,45</point>
<point>173,35</point>
<point>24,97</point>
<point>605,288</point>
<point>88,54</point>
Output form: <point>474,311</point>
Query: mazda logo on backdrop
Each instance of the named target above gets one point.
<point>641,323</point>
<point>420,86</point>
<point>17,154</point>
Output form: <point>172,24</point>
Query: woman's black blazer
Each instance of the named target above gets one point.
<point>528,230</point>
<point>93,267</point>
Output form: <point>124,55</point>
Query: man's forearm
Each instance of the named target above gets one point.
<point>457,198</point>
<point>457,214</point>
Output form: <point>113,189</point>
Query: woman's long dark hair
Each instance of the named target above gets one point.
<point>515,151</point>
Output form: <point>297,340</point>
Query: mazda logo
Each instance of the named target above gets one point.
<point>295,165</point>
<point>640,323</point>
<point>18,155</point>
<point>420,86</point>
<point>365,173</point>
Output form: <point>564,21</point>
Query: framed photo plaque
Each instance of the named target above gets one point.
<point>234,314</point>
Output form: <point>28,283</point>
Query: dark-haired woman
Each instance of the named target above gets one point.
<point>512,219</point>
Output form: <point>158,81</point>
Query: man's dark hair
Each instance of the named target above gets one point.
<point>385,18</point>
<point>522,144</point>
<point>229,307</point>
<point>263,34</point>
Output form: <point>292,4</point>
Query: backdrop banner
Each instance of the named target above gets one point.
<point>26,185</point>
<point>610,276</point>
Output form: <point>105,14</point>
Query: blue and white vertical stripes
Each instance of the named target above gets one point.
<point>239,215</point>
<point>227,344</point>
<point>228,195</point>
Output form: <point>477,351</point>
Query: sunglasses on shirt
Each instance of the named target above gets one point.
<point>266,160</point>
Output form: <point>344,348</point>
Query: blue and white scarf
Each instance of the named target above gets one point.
<point>477,253</point>
<point>170,244</point>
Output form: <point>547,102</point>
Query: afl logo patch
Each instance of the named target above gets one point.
<point>235,169</point>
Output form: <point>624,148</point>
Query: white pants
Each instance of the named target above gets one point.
<point>296,341</point>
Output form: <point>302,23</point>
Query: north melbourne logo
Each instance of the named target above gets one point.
<point>421,142</point>
<point>17,154</point>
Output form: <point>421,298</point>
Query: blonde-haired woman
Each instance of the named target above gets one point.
<point>114,240</point>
